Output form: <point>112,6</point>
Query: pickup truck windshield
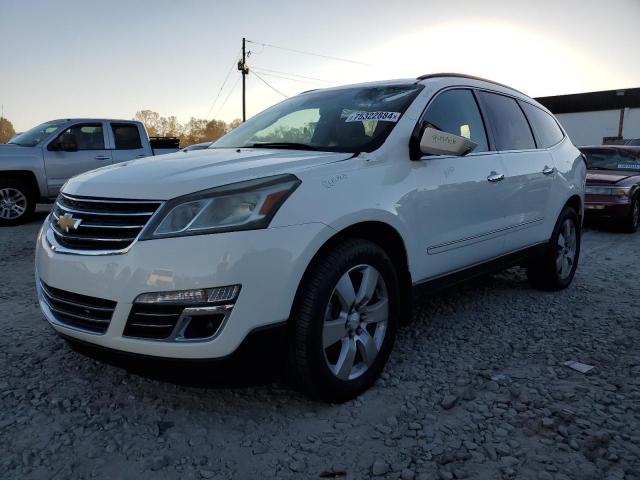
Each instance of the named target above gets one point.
<point>32,137</point>
<point>612,158</point>
<point>356,119</point>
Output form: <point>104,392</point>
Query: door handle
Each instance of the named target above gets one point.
<point>547,170</point>
<point>495,177</point>
<point>102,157</point>
<point>140,156</point>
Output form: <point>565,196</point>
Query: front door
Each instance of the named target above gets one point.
<point>461,200</point>
<point>79,148</point>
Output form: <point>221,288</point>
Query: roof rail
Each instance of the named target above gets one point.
<point>470,77</point>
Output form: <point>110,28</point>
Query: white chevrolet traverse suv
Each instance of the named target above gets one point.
<point>313,223</point>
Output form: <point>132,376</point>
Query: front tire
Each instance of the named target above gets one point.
<point>344,321</point>
<point>556,268</point>
<point>17,203</point>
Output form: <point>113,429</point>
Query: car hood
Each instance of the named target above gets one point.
<point>608,177</point>
<point>171,175</point>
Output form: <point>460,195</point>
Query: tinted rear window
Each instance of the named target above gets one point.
<point>544,126</point>
<point>510,127</point>
<point>126,135</point>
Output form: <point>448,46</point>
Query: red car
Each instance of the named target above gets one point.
<point>613,184</point>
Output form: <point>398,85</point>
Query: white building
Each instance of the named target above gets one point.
<point>597,118</point>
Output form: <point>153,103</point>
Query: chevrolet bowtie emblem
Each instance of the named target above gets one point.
<point>66,222</point>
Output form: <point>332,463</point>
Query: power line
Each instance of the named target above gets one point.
<point>287,78</point>
<point>229,95</point>
<point>291,74</point>
<point>269,85</point>
<point>223,83</point>
<point>329,57</point>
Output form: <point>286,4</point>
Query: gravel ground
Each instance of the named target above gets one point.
<point>476,388</point>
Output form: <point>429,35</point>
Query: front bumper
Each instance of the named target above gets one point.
<point>268,263</point>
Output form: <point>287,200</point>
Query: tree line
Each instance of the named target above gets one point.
<point>196,130</point>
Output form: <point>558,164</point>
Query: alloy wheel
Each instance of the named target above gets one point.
<point>355,322</point>
<point>13,203</point>
<point>636,213</point>
<point>566,249</point>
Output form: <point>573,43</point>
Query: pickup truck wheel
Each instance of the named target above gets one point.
<point>556,268</point>
<point>344,321</point>
<point>17,203</point>
<point>632,222</point>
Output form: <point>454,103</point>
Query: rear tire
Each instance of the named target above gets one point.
<point>344,321</point>
<point>632,222</point>
<point>17,202</point>
<point>557,266</point>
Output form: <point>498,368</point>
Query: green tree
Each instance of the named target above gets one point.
<point>6,130</point>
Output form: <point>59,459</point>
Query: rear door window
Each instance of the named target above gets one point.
<point>456,112</point>
<point>546,129</point>
<point>508,123</point>
<point>126,136</point>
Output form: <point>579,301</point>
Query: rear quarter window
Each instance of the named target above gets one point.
<point>545,127</point>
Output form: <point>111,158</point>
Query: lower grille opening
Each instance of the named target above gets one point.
<point>155,322</point>
<point>80,311</point>
<point>203,326</point>
<point>175,322</point>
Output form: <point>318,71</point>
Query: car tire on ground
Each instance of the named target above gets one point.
<point>555,269</point>
<point>632,222</point>
<point>17,202</point>
<point>344,321</point>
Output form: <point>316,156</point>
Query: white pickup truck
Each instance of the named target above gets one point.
<point>35,164</point>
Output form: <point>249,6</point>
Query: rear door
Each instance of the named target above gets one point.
<point>86,142</point>
<point>529,170</point>
<point>126,141</point>
<point>461,204</point>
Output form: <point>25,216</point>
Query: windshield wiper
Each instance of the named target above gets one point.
<point>283,145</point>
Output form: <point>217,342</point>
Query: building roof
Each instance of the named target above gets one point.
<point>592,101</point>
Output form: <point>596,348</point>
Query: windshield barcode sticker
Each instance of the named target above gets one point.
<point>380,116</point>
<point>629,166</point>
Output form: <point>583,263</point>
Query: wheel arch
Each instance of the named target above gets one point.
<point>575,202</point>
<point>26,176</point>
<point>386,237</point>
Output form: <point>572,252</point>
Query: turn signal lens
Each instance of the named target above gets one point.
<point>188,297</point>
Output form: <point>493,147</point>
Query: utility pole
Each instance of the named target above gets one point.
<point>244,69</point>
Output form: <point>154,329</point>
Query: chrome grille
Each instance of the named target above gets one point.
<point>80,311</point>
<point>102,224</point>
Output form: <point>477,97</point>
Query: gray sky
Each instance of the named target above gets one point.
<point>68,58</point>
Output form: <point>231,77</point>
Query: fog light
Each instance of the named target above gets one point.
<point>189,297</point>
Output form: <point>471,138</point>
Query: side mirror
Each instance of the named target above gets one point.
<point>437,142</point>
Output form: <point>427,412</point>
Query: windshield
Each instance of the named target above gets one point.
<point>612,158</point>
<point>356,119</point>
<point>32,137</point>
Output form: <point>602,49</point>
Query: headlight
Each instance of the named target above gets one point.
<point>240,206</point>
<point>615,191</point>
